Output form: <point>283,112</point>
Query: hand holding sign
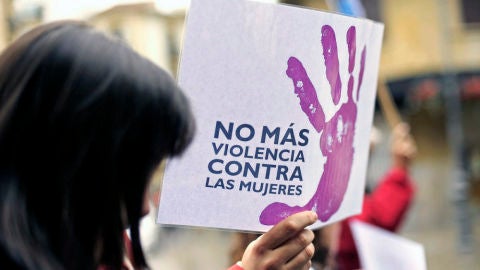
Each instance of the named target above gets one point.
<point>288,245</point>
<point>336,141</point>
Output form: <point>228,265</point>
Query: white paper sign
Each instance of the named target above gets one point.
<point>284,99</point>
<point>380,249</point>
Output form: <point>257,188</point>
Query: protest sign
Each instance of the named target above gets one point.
<point>379,249</point>
<point>283,98</point>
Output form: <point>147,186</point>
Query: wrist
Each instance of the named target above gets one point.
<point>401,162</point>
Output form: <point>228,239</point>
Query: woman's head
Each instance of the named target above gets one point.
<point>84,120</point>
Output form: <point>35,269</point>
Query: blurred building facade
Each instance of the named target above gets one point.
<point>150,32</point>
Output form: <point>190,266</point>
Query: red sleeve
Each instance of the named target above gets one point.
<point>387,205</point>
<point>235,267</point>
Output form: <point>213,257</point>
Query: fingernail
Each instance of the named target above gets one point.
<point>314,216</point>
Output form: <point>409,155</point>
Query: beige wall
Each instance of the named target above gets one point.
<point>420,36</point>
<point>145,33</point>
<point>411,38</point>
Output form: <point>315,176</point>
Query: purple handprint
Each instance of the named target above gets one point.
<point>336,141</point>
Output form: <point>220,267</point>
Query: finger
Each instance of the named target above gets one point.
<point>352,47</point>
<point>362,70</point>
<point>302,260</point>
<point>306,93</point>
<point>330,54</point>
<point>294,246</point>
<point>287,229</point>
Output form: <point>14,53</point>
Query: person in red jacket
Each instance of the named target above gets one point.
<point>387,205</point>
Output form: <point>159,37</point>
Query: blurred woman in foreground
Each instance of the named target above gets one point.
<point>84,121</point>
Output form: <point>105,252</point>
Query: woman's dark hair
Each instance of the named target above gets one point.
<point>84,120</point>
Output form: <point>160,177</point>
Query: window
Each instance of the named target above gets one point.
<point>373,9</point>
<point>471,11</point>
